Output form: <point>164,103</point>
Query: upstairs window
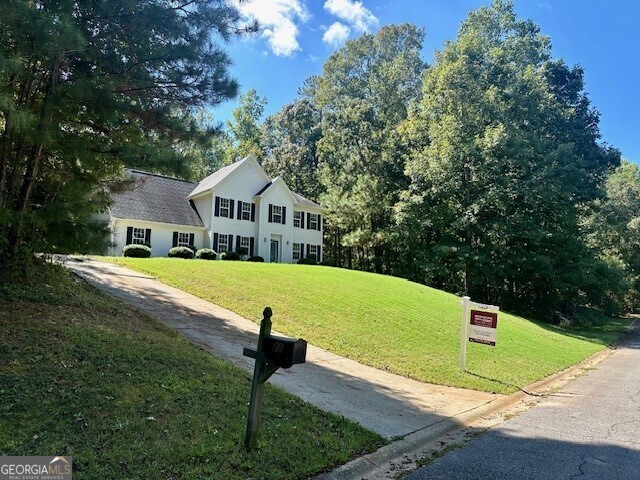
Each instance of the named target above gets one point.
<point>246,211</point>
<point>224,207</point>
<point>313,222</point>
<point>297,219</point>
<point>276,217</point>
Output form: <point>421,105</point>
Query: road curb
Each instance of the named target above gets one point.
<point>412,447</point>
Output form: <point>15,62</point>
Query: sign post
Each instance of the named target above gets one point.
<point>464,333</point>
<point>479,325</point>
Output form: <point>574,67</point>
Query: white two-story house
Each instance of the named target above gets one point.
<point>237,206</point>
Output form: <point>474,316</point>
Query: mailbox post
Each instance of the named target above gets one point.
<point>272,353</point>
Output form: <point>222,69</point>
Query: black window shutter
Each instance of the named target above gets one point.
<point>319,254</point>
<point>253,212</point>
<point>129,235</point>
<point>284,215</point>
<point>217,208</point>
<point>239,217</point>
<point>147,236</point>
<point>230,244</point>
<point>215,242</point>
<point>307,254</point>
<point>175,239</point>
<point>231,202</point>
<point>192,238</point>
<point>308,220</point>
<point>319,222</point>
<point>252,244</point>
<point>301,219</point>
<point>237,242</point>
<point>270,213</point>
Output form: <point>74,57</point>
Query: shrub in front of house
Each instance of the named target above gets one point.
<point>242,251</point>
<point>136,251</point>
<point>310,260</point>
<point>255,258</point>
<point>180,252</point>
<point>206,254</point>
<point>229,256</point>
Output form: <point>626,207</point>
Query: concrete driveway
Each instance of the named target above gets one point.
<point>388,404</point>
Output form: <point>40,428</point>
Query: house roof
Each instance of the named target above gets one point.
<point>299,199</point>
<point>156,198</point>
<point>215,178</point>
<point>305,202</point>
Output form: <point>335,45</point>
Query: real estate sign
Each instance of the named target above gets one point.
<point>479,325</point>
<point>483,327</point>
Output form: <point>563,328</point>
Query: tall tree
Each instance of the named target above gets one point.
<point>290,139</point>
<point>613,225</point>
<point>86,87</point>
<point>363,94</point>
<point>244,129</point>
<point>509,151</point>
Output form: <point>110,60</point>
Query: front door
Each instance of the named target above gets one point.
<point>275,249</point>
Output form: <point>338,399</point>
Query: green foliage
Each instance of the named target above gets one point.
<point>613,226</point>
<point>229,256</point>
<point>504,149</point>
<point>74,108</point>
<point>363,94</point>
<point>244,129</point>
<point>136,251</point>
<point>242,251</point>
<point>206,254</point>
<point>310,260</point>
<point>180,252</point>
<point>387,322</point>
<point>256,258</point>
<point>289,139</point>
<point>85,375</point>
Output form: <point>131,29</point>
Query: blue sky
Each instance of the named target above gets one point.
<point>298,36</point>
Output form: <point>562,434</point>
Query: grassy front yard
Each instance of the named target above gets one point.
<point>386,322</point>
<point>82,375</point>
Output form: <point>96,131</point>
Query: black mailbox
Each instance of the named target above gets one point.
<point>284,352</point>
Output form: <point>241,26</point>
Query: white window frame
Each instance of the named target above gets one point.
<point>224,207</point>
<point>297,251</point>
<point>223,246</point>
<point>183,239</point>
<point>297,219</point>
<point>138,237</point>
<point>246,211</point>
<point>313,222</point>
<point>276,214</point>
<point>246,243</point>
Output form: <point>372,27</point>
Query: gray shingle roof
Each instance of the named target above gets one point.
<point>305,202</point>
<point>215,178</point>
<point>156,199</point>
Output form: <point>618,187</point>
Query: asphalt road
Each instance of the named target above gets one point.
<point>588,430</point>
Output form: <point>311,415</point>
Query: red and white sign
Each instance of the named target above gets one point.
<point>483,327</point>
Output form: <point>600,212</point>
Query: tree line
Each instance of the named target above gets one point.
<point>482,174</point>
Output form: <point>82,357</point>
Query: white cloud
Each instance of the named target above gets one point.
<point>353,12</point>
<point>336,34</point>
<point>278,22</point>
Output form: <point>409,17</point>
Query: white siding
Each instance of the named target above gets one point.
<point>161,235</point>
<point>306,236</point>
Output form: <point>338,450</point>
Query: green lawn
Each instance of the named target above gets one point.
<point>82,375</point>
<point>386,322</point>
